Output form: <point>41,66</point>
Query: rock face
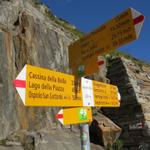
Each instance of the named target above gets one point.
<point>103,131</point>
<point>133,81</point>
<point>27,36</point>
<point>52,139</point>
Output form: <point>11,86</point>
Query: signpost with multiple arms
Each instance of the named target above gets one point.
<point>42,87</point>
<point>122,29</point>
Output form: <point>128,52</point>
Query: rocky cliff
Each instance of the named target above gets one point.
<point>133,80</point>
<point>29,36</point>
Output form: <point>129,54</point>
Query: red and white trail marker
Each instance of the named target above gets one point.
<point>74,115</point>
<point>101,62</point>
<point>138,20</point>
<point>59,116</point>
<point>20,84</point>
<point>43,87</point>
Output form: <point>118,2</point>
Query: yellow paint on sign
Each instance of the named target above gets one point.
<point>77,115</point>
<point>115,33</point>
<point>50,88</point>
<point>105,95</point>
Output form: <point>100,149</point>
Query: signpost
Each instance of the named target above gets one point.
<point>42,87</point>
<point>124,28</point>
<point>74,115</point>
<point>85,138</point>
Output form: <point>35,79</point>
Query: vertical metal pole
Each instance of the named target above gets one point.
<point>85,138</point>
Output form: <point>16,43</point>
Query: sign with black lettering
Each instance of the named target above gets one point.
<point>43,87</point>
<point>122,29</point>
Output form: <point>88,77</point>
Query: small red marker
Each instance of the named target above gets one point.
<point>19,83</point>
<point>100,62</point>
<point>138,19</point>
<point>59,116</point>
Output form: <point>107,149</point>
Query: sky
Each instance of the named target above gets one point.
<point>87,15</point>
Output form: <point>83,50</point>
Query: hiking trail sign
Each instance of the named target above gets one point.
<point>43,87</point>
<point>74,115</point>
<point>120,30</point>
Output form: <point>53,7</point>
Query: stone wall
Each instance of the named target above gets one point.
<point>133,81</point>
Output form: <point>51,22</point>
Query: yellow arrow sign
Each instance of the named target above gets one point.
<point>42,87</point>
<point>120,30</point>
<point>74,115</point>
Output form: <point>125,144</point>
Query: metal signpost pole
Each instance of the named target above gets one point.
<point>85,138</point>
<point>85,135</point>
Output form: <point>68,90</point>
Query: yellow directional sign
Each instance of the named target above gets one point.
<point>120,30</point>
<point>42,87</point>
<point>74,115</point>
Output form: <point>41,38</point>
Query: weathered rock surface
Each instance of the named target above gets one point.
<point>11,148</point>
<point>103,131</point>
<point>28,35</point>
<point>44,140</point>
<point>133,115</point>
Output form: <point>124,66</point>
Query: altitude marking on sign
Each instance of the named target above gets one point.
<point>42,87</point>
<point>74,115</point>
<point>119,31</point>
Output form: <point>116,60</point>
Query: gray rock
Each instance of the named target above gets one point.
<point>134,100</point>
<point>36,41</point>
<point>9,11</point>
<point>11,148</point>
<point>29,37</point>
